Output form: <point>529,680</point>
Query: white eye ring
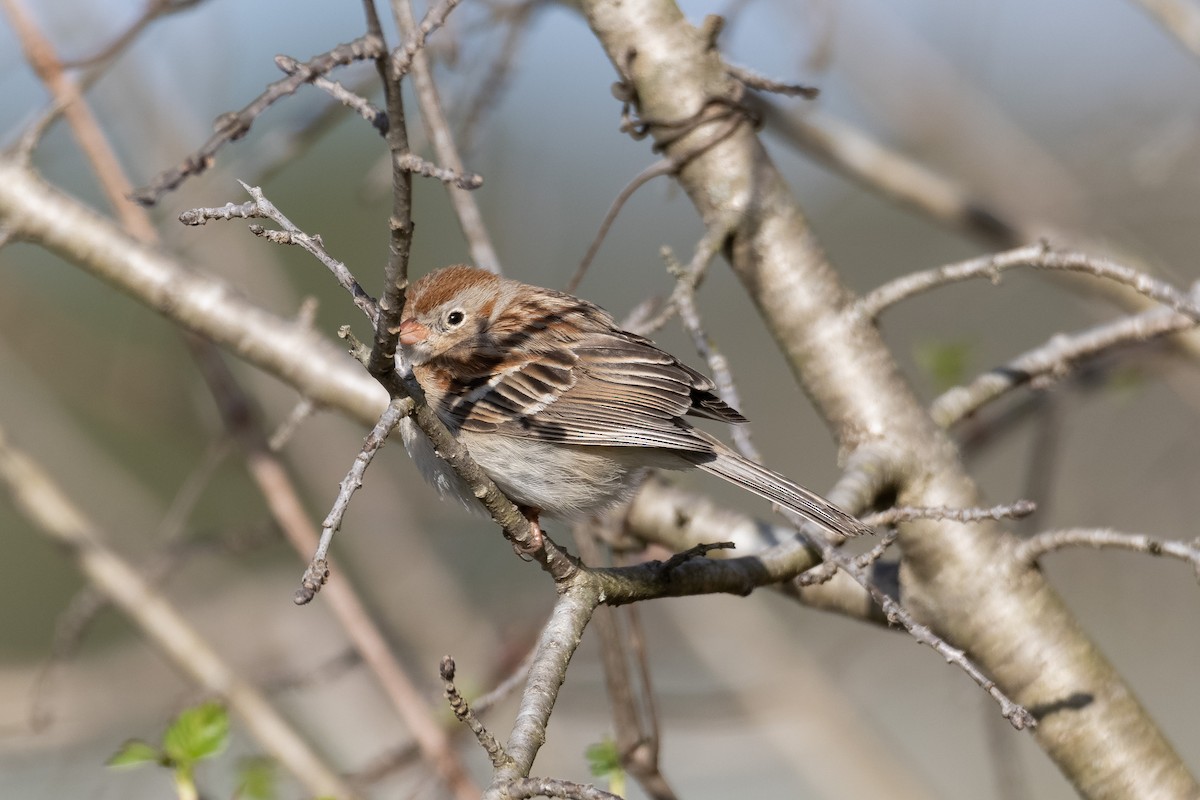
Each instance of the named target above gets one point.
<point>455,318</point>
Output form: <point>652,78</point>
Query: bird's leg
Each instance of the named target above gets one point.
<point>535,532</point>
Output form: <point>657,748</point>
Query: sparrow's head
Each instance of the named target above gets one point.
<point>446,309</point>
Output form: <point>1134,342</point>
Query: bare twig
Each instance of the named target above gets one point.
<point>434,18</point>
<point>755,80</point>
<point>634,712</point>
<point>1037,256</point>
<point>261,207</point>
<point>464,714</point>
<point>422,167</point>
<point>287,429</point>
<point>235,124</point>
<point>318,568</point>
<point>684,301</point>
<point>557,644</point>
<point>897,514</point>
<point>1054,359</point>
<point>365,108</point>
<point>1036,547</point>
<point>663,166</point>
<point>479,242</point>
<point>666,166</point>
<point>1017,715</point>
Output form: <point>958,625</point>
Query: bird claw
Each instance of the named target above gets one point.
<point>537,539</point>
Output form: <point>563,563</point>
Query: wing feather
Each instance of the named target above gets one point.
<point>617,390</point>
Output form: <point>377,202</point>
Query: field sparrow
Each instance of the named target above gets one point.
<point>562,408</point>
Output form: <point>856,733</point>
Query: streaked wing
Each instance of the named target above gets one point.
<point>613,389</point>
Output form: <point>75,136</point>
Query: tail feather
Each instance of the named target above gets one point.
<point>773,486</point>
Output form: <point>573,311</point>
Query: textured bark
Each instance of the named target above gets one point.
<point>961,580</point>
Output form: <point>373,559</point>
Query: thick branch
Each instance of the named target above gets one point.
<point>1011,622</point>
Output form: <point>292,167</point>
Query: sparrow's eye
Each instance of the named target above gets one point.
<point>455,318</point>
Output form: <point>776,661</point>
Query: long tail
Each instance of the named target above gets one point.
<point>773,486</point>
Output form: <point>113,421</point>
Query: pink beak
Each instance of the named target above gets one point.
<point>413,332</point>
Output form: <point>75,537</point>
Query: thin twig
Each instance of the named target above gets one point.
<point>356,102</point>
<point>464,714</point>
<point>1037,256</point>
<point>897,514</point>
<point>684,301</point>
<point>755,80</point>
<point>420,166</point>
<point>318,570</point>
<point>287,429</point>
<point>1037,547</point>
<point>666,166</point>
<point>234,125</point>
<point>261,207</point>
<point>435,17</point>
<point>479,242</point>
<point>557,644</point>
<point>1054,359</point>
<point>663,166</point>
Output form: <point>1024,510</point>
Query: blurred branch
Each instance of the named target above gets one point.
<point>434,119</point>
<point>49,510</point>
<point>1179,18</point>
<point>86,129</point>
<point>1054,359</point>
<point>854,154</point>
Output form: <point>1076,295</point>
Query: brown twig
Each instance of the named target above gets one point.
<point>479,242</point>
<point>420,166</point>
<point>318,570</point>
<point>464,714</point>
<point>755,80</point>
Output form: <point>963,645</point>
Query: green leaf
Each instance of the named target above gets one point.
<point>135,752</point>
<point>945,362</point>
<point>197,733</point>
<point>257,779</point>
<point>603,758</point>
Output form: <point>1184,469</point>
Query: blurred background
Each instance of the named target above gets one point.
<point>1075,120</point>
